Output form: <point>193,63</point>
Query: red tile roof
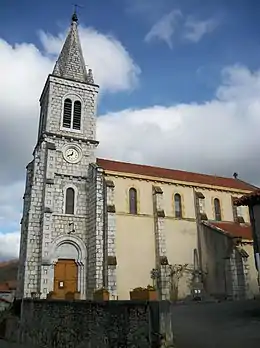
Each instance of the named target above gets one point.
<point>173,174</point>
<point>12,284</point>
<point>8,286</point>
<point>232,228</point>
<point>249,198</point>
<point>4,287</point>
<point>7,263</point>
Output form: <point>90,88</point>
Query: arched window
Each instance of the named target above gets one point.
<point>66,123</point>
<point>217,209</point>
<point>70,201</point>
<point>77,115</point>
<point>177,205</point>
<point>132,201</point>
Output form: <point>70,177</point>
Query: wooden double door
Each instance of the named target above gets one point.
<point>65,278</point>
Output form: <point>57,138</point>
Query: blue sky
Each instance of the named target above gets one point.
<point>179,86</point>
<point>189,72</point>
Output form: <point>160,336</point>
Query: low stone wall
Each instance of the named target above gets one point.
<point>76,324</point>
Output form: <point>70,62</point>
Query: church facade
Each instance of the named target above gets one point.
<point>92,223</point>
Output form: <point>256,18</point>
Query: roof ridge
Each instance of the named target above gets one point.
<point>235,182</point>
<point>170,169</point>
<point>248,183</point>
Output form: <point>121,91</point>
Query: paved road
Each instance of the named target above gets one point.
<point>215,325</point>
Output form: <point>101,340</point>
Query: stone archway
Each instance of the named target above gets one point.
<point>68,263</point>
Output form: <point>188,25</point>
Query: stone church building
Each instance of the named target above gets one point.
<point>90,223</point>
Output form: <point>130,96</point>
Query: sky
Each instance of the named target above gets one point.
<point>179,86</point>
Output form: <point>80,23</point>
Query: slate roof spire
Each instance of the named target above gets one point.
<point>70,63</point>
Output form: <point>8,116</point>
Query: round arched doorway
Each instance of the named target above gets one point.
<point>68,258</point>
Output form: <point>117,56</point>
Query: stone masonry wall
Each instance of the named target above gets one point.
<point>160,245</point>
<point>32,229</point>
<point>24,229</point>
<point>95,228</point>
<point>239,272</point>
<point>87,94</point>
<point>111,236</point>
<point>77,324</point>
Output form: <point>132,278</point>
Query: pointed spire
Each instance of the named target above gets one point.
<point>70,63</point>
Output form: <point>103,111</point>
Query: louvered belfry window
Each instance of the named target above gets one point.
<point>70,201</point>
<point>67,113</point>
<point>77,115</point>
<point>72,114</point>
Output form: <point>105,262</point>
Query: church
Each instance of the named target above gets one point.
<point>90,223</point>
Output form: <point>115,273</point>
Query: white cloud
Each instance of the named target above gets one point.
<point>9,245</point>
<point>164,28</point>
<point>10,208</point>
<point>191,29</point>
<point>11,196</point>
<point>195,30</point>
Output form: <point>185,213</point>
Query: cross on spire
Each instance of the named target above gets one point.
<point>74,17</point>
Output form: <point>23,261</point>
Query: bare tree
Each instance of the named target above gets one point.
<point>176,272</point>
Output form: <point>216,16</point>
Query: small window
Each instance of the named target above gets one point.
<point>77,115</point>
<point>67,113</point>
<point>61,285</point>
<point>217,209</point>
<point>133,201</point>
<point>238,213</point>
<point>70,201</point>
<point>237,210</point>
<point>177,205</point>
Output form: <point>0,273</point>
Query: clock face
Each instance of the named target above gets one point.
<point>72,154</point>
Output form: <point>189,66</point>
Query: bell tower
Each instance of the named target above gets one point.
<point>53,251</point>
